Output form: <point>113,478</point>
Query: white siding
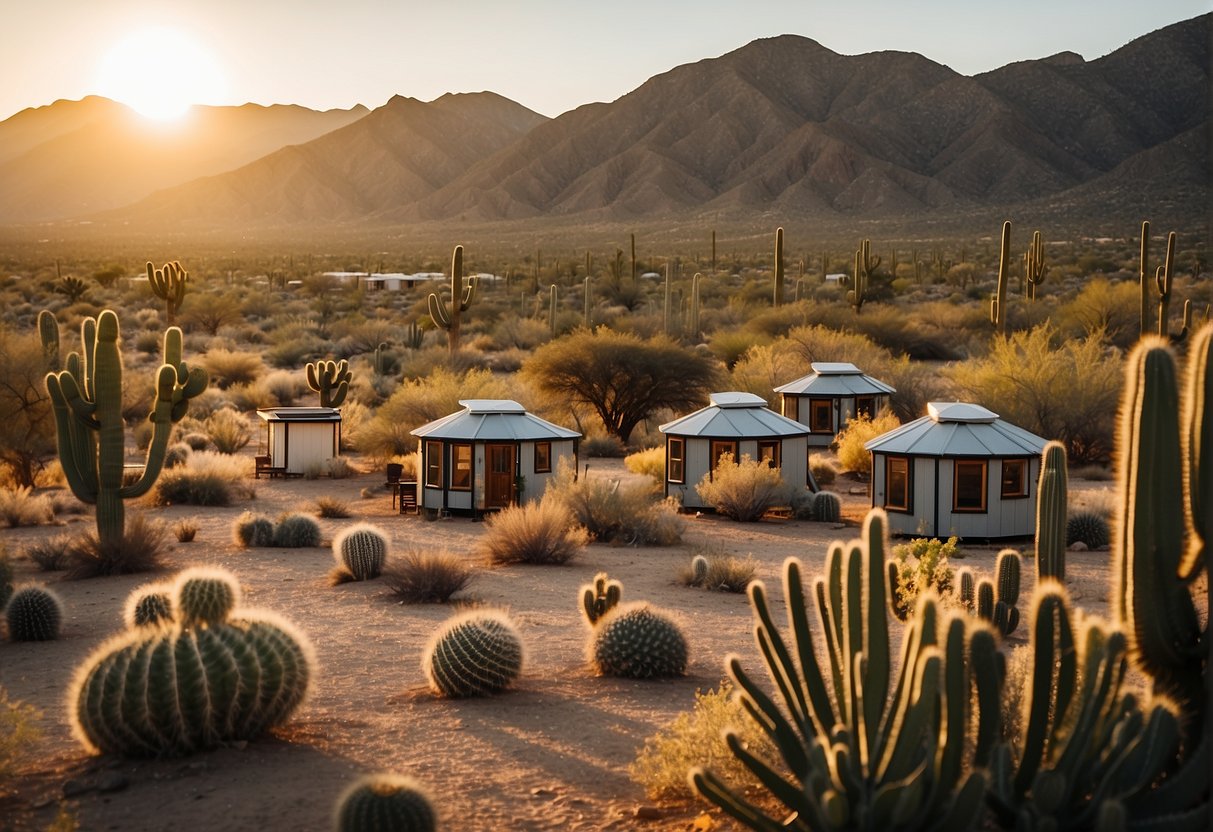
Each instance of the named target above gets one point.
<point>537,484</point>
<point>696,466</point>
<point>795,461</point>
<point>298,446</point>
<point>794,467</point>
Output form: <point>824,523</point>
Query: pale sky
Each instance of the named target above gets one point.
<point>549,55</point>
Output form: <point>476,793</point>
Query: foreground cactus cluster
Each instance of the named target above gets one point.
<point>213,674</point>
<point>636,640</point>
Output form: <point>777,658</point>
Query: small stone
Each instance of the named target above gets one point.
<point>648,813</point>
<point>703,823</point>
<point>112,782</point>
<point>1078,546</point>
<point>543,794</point>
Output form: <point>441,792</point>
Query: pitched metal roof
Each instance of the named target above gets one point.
<point>735,415</point>
<point>958,429</point>
<point>491,420</point>
<point>835,378</point>
<point>299,414</point>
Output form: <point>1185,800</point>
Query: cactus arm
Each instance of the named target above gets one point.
<point>821,708</point>
<point>713,789</point>
<point>772,721</point>
<point>80,408</point>
<point>438,312</point>
<point>998,305</point>
<point>956,694</point>
<point>779,663</point>
<point>1143,284</point>
<point>468,297</point>
<point>987,673</point>
<point>1198,445</point>
<point>72,456</point>
<point>48,333</point>
<point>875,625</point>
<point>789,794</point>
<point>1163,280</point>
<point>1051,616</point>
<point>777,298</point>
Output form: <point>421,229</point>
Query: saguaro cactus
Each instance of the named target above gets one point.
<point>553,304</point>
<point>1034,265</point>
<point>998,304</point>
<point>462,295</point>
<point>865,264</point>
<point>694,310</point>
<point>331,379</point>
<point>1162,280</point>
<point>168,284</point>
<point>1051,496</point>
<point>778,293</point>
<point>587,302</point>
<point>87,403</point>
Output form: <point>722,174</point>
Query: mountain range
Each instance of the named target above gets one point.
<point>782,126</point>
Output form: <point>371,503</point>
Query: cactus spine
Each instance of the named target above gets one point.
<point>168,284</point>
<point>34,613</point>
<point>331,379</point>
<point>1051,497</point>
<point>778,294</point>
<point>385,803</point>
<point>477,653</point>
<point>87,403</point>
<point>1034,265</point>
<point>462,296</point>
<point>360,551</point>
<point>998,304</point>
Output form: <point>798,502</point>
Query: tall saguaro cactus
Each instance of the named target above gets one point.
<point>865,264</point>
<point>462,296</point>
<point>998,304</point>
<point>694,305</point>
<point>778,292</point>
<point>1034,265</point>
<point>86,399</point>
<point>168,284</point>
<point>331,379</point>
<point>1051,496</point>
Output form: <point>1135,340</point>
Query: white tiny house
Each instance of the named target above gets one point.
<point>299,439</point>
<point>825,399</point>
<point>960,470</point>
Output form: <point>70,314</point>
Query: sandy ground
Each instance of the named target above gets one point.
<point>551,755</point>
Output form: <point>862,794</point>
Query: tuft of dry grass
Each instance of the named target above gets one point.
<point>650,461</point>
<point>745,491</point>
<point>206,479</point>
<point>542,532</point>
<point>228,368</point>
<point>140,551</point>
<point>332,508</point>
<point>21,507</point>
<point>52,554</point>
<point>228,430</point>
<point>417,577</point>
<point>615,512</point>
<point>185,531</point>
<point>726,573</point>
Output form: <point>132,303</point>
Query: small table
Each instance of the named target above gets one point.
<point>406,492</point>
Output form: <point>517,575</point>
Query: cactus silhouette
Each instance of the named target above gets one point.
<point>168,284</point>
<point>148,606</point>
<point>1051,497</point>
<point>331,379</point>
<point>600,597</point>
<point>778,292</point>
<point>447,317</point>
<point>998,305</point>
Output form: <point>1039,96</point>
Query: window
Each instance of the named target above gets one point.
<point>865,406</point>
<point>1014,478</point>
<point>791,407</point>
<point>675,456</point>
<point>897,483</point>
<point>969,488</point>
<point>821,415</point>
<point>433,464</point>
<point>461,467</point>
<point>719,449</point>
<point>768,452</point>
<point>543,457</point>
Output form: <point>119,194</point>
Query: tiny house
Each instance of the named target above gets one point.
<point>825,399</point>
<point>490,455</point>
<point>960,470</point>
<point>740,424</point>
<point>299,439</point>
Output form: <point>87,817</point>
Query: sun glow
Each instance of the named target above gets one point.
<point>160,72</point>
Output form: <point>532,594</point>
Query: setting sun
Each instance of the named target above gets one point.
<point>160,72</point>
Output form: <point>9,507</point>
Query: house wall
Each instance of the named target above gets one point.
<point>794,466</point>
<point>843,411</point>
<point>298,446</point>
<point>536,484</point>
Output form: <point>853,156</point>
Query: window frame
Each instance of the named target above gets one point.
<point>791,407</point>
<point>814,406</point>
<point>1022,493</point>
<point>908,492</point>
<point>984,466</point>
<point>546,466</point>
<point>776,458</point>
<point>872,406</point>
<point>714,455</point>
<point>671,458</point>
<point>433,463</point>
<point>456,480</point>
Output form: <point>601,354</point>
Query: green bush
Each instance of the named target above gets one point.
<point>745,491</point>
<point>916,566</point>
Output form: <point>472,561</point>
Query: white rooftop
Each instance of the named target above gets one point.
<point>734,415</point>
<point>960,412</point>
<point>958,429</point>
<point>493,420</point>
<point>737,400</point>
<point>834,368</point>
<point>836,378</point>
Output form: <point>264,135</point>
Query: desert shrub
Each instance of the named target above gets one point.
<point>246,397</point>
<point>331,507</point>
<point>19,734</point>
<point>1092,473</point>
<point>1089,528</point>
<point>206,479</point>
<point>339,468</point>
<point>52,554</point>
<point>725,573</point>
<point>763,368</point>
<point>228,368</point>
<point>696,738</point>
<point>196,441</point>
<point>185,531</point>
<point>612,511</point>
<point>823,470</point>
<point>604,447</point>
<point>540,532</point>
<point>21,507</point>
<point>176,454</point>
<point>650,461</point>
<point>252,530</point>
<point>228,431</point>
<point>286,387</point>
<point>920,564</point>
<point>296,531</point>
<point>417,577</point>
<point>744,491</point>
<point>860,430</point>
<point>140,550</point>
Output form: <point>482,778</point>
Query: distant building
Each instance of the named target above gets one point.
<point>299,439</point>
<point>825,399</point>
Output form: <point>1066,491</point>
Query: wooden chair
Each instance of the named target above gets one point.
<point>407,491</point>
<point>262,466</point>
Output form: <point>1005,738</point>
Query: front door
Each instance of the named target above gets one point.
<point>499,484</point>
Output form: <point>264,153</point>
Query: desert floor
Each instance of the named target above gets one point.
<point>550,755</point>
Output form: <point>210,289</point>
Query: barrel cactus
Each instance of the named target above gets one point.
<point>149,605</point>
<point>250,531</point>
<point>296,531</point>
<point>385,803</point>
<point>826,507</point>
<point>699,570</point>
<point>34,613</point>
<point>637,641</point>
<point>473,654</point>
<point>192,684</point>
<point>360,552</point>
<point>1088,528</point>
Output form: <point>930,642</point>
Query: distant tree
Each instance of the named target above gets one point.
<point>212,312</point>
<point>27,431</point>
<point>108,275</point>
<point>624,378</point>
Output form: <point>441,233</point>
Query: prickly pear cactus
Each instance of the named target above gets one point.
<point>473,654</point>
<point>637,641</point>
<point>361,551</point>
<point>148,606</point>
<point>385,803</point>
<point>34,613</point>
<point>603,595</point>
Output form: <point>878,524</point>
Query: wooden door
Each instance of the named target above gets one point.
<point>499,479</point>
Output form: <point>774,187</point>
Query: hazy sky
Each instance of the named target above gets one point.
<point>550,55</point>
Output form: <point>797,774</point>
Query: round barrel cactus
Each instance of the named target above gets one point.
<point>192,684</point>
<point>296,531</point>
<point>250,530</point>
<point>360,551</point>
<point>205,596</point>
<point>473,654</point>
<point>34,613</point>
<point>149,605</point>
<point>385,803</point>
<point>638,642</point>
<point>827,507</point>
<point>1088,527</point>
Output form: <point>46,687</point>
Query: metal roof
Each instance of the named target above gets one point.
<point>491,420</point>
<point>734,415</point>
<point>958,429</point>
<point>299,414</point>
<point>835,378</point>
